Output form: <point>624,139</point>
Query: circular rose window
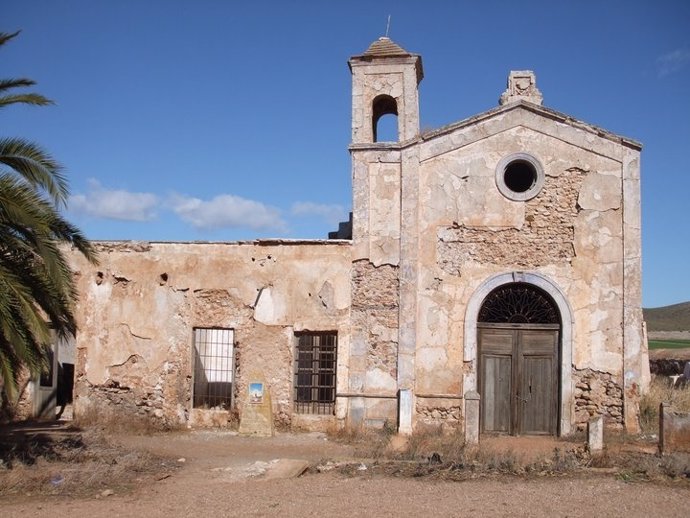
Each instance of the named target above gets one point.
<point>519,177</point>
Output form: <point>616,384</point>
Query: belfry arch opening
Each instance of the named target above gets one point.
<point>519,336</point>
<point>385,119</point>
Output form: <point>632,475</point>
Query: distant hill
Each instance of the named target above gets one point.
<point>668,318</point>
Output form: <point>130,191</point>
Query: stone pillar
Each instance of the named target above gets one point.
<point>635,353</point>
<point>472,418</point>
<point>405,411</point>
<point>595,434</point>
<point>409,266</point>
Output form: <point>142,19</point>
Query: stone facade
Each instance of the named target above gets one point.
<point>456,230</point>
<point>519,195</point>
<point>139,307</point>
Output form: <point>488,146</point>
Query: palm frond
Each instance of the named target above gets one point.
<point>36,166</point>
<point>37,289</point>
<point>5,37</point>
<point>21,82</point>
<point>28,98</point>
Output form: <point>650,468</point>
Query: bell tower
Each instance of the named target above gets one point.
<point>385,80</point>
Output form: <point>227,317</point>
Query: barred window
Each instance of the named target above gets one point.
<point>213,368</point>
<point>315,361</point>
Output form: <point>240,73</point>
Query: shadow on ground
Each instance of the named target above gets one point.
<point>27,441</point>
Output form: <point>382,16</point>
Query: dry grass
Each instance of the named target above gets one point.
<point>78,463</point>
<point>445,456</point>
<point>661,391</point>
<point>368,443</point>
<point>448,451</point>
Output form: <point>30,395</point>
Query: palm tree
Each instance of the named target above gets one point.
<point>37,290</point>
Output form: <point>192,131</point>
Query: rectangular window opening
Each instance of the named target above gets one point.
<point>213,368</point>
<point>315,364</point>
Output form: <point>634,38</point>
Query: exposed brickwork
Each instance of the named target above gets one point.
<point>374,287</point>
<point>546,237</point>
<point>375,295</point>
<point>439,413</point>
<point>115,399</point>
<point>597,393</point>
<point>163,395</point>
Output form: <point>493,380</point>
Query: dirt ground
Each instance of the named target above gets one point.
<point>217,473</point>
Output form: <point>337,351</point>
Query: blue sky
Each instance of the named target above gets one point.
<point>219,120</point>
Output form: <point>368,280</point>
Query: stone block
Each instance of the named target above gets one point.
<point>405,412</point>
<point>472,418</point>
<point>286,468</point>
<point>674,430</point>
<point>595,434</point>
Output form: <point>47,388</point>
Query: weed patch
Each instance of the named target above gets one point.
<point>661,391</point>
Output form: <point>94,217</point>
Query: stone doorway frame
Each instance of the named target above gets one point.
<point>471,346</point>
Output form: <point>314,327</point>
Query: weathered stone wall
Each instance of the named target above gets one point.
<point>375,295</point>
<point>371,78</point>
<point>546,237</point>
<point>439,414</point>
<point>375,320</point>
<point>139,306</point>
<point>373,362</point>
<point>467,232</point>
<point>571,233</point>
<point>597,394</point>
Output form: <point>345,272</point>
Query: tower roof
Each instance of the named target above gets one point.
<point>384,46</point>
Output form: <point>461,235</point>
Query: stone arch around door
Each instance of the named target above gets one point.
<point>471,345</point>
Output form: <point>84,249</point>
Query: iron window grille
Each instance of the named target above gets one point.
<point>213,368</point>
<point>315,364</point>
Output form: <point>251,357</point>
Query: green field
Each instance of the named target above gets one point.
<point>668,344</point>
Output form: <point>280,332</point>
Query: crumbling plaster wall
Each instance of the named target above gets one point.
<point>571,233</point>
<point>139,306</point>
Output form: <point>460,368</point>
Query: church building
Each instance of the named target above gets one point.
<point>489,282</point>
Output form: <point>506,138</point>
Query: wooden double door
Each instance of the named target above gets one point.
<point>518,378</point>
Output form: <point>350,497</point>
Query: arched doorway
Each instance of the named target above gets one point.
<point>518,334</point>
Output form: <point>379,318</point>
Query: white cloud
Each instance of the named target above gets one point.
<point>332,214</point>
<point>673,61</point>
<point>114,203</point>
<point>227,211</point>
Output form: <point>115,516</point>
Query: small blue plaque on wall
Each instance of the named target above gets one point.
<point>256,393</point>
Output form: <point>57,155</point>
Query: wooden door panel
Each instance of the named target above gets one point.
<point>542,342</point>
<point>537,396</point>
<point>519,380</point>
<point>497,390</point>
<point>497,341</point>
